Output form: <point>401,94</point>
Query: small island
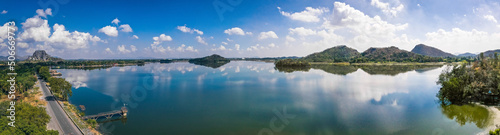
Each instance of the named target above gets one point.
<point>213,61</point>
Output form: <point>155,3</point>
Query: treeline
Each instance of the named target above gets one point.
<point>292,63</point>
<point>25,78</point>
<point>59,86</point>
<point>30,120</point>
<point>478,81</point>
<point>84,63</point>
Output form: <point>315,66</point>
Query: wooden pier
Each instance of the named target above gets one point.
<point>108,115</point>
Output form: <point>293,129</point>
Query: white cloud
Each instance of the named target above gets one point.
<point>225,43</point>
<point>135,37</point>
<point>125,28</point>
<point>122,49</point>
<point>72,40</point>
<point>4,12</point>
<point>183,48</point>
<point>107,50</point>
<point>189,30</point>
<point>387,9</point>
<point>269,34</point>
<point>272,45</point>
<point>237,47</point>
<point>229,40</point>
<point>35,29</point>
<point>115,21</point>
<point>43,13</point>
<point>161,38</point>
<point>290,39</point>
<point>109,30</point>
<point>460,41</point>
<point>201,40</point>
<point>490,18</point>
<point>308,15</point>
<point>133,48</point>
<point>301,31</point>
<point>236,31</point>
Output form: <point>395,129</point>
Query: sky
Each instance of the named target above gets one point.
<point>126,29</point>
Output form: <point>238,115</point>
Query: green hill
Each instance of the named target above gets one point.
<point>389,54</point>
<point>430,51</point>
<point>340,53</point>
<point>213,61</point>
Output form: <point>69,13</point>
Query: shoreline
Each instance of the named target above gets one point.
<point>494,117</point>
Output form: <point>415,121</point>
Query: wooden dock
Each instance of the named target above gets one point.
<point>108,115</point>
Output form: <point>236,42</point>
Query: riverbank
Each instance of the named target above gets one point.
<point>494,117</point>
<point>383,63</point>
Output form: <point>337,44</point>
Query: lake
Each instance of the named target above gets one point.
<point>244,97</point>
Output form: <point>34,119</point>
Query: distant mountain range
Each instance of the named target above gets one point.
<point>467,55</point>
<point>491,52</point>
<point>430,51</point>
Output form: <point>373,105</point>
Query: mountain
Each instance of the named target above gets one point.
<point>389,54</point>
<point>467,55</point>
<point>491,53</point>
<point>430,51</point>
<point>213,61</point>
<point>340,53</point>
<point>41,55</point>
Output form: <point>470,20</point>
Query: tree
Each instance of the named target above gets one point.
<point>61,87</point>
<point>29,120</point>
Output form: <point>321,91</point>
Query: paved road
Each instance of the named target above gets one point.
<point>59,120</point>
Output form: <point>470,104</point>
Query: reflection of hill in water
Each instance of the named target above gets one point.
<point>335,69</point>
<point>467,114</point>
<point>292,69</point>
<point>211,64</point>
<point>84,68</point>
<point>370,69</point>
<point>396,69</point>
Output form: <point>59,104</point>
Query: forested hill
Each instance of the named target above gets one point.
<point>340,53</point>
<point>389,54</point>
<point>430,51</point>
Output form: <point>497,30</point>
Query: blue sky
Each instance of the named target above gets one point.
<point>261,28</point>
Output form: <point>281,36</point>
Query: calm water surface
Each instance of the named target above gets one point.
<point>250,97</point>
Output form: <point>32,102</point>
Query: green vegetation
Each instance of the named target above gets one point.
<point>463,114</point>
<point>430,51</point>
<point>292,63</point>
<point>60,88</point>
<point>92,123</point>
<point>471,82</point>
<point>25,79</point>
<point>29,120</point>
<point>213,61</point>
<point>496,132</point>
<point>335,54</point>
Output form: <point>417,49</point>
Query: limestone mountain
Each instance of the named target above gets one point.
<point>340,53</point>
<point>41,55</point>
<point>430,51</point>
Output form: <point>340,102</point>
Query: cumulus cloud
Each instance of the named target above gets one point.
<point>387,9</point>
<point>156,47</point>
<point>107,50</point>
<point>237,47</point>
<point>459,40</point>
<point>308,15</point>
<point>37,30</point>
<point>115,21</point>
<point>135,37</point>
<point>109,30</point>
<point>183,48</point>
<point>133,48</point>
<point>125,28</point>
<point>42,13</point>
<point>302,31</point>
<point>4,12</point>
<point>490,18</point>
<point>269,34</point>
<point>237,31</point>
<point>122,49</point>
<point>189,30</point>
<point>201,40</point>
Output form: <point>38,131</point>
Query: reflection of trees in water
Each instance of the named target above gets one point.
<point>292,69</point>
<point>211,64</point>
<point>370,69</point>
<point>335,69</point>
<point>396,69</point>
<point>467,114</point>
